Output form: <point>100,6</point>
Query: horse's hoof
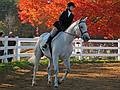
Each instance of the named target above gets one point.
<point>56,86</point>
<point>49,83</point>
<point>59,81</point>
<point>33,84</point>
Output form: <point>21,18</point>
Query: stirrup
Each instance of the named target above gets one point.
<point>44,47</point>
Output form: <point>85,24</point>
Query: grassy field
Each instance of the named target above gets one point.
<point>24,63</point>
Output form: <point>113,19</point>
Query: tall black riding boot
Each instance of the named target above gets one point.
<point>50,39</point>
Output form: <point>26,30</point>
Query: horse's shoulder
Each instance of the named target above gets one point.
<point>60,34</point>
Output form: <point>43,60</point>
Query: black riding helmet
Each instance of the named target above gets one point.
<point>71,4</point>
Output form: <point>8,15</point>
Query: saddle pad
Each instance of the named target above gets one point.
<point>43,38</point>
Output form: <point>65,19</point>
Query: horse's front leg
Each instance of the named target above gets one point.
<point>67,65</point>
<point>56,70</point>
<point>49,72</point>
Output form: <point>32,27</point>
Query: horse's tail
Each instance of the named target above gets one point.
<point>37,56</point>
<point>37,53</point>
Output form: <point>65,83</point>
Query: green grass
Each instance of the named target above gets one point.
<point>22,64</point>
<point>96,61</point>
<point>77,61</point>
<point>14,65</point>
<point>25,64</point>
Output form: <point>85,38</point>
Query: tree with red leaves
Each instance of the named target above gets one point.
<point>104,15</point>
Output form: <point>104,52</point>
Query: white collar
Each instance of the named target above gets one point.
<point>69,12</point>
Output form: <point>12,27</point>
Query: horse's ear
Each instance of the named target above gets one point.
<point>84,19</point>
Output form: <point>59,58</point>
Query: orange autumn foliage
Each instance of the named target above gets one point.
<point>103,15</point>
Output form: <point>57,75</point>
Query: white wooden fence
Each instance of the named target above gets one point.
<point>78,47</point>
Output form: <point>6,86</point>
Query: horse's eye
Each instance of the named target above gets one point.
<point>81,26</point>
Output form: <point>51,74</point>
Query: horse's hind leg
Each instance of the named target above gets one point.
<point>49,72</point>
<point>38,55</point>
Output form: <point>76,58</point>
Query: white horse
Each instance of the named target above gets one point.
<point>61,47</point>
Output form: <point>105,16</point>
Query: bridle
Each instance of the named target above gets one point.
<point>82,33</point>
<point>81,27</point>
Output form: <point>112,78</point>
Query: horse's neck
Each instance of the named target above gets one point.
<point>68,38</point>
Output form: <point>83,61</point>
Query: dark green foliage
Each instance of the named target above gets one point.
<point>6,7</point>
<point>14,65</point>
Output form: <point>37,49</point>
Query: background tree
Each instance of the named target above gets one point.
<point>9,16</point>
<point>104,15</point>
<point>9,20</point>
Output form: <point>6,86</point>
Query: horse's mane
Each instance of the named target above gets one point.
<point>72,25</point>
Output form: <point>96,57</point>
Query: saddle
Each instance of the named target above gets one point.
<point>44,38</point>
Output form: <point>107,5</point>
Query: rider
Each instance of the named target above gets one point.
<point>64,22</point>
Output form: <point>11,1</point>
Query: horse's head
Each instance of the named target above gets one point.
<point>80,29</point>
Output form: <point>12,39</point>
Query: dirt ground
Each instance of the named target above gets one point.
<point>82,77</point>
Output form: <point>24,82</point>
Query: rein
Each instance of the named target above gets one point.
<point>71,34</point>
<point>79,29</point>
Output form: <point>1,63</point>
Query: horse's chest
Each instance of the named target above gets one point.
<point>66,50</point>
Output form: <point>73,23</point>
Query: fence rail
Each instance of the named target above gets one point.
<point>78,47</point>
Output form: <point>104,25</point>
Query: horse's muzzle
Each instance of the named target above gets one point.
<point>86,38</point>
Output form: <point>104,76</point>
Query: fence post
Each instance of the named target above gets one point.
<point>6,49</point>
<point>81,49</point>
<point>76,45</point>
<point>118,49</point>
<point>17,48</point>
<point>78,50</point>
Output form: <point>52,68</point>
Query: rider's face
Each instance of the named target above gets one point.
<point>71,8</point>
